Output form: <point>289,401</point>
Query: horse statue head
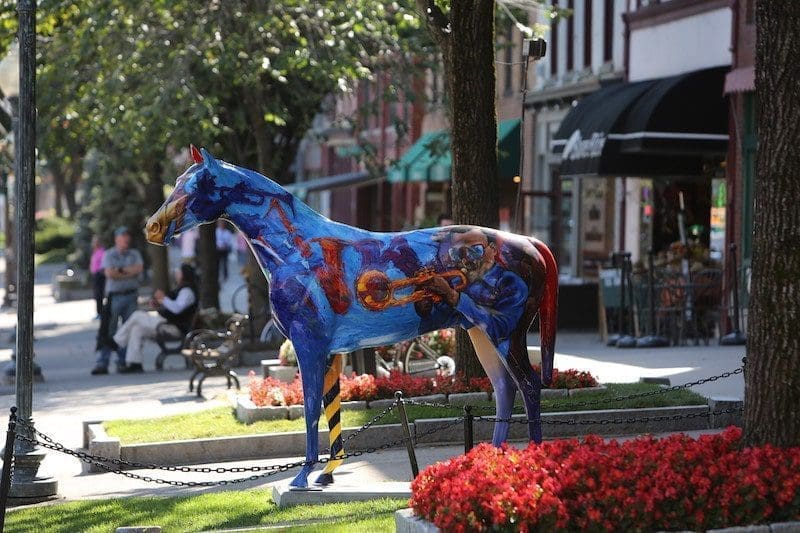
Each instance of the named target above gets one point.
<point>208,190</point>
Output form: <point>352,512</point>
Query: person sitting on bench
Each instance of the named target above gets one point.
<point>175,309</point>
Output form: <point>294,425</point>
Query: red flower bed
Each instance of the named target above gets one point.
<point>270,391</point>
<point>675,483</point>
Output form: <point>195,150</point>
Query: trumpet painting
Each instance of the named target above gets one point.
<point>335,288</point>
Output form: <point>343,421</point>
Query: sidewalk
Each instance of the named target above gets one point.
<point>65,337</point>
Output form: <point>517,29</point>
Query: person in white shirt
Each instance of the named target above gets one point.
<point>176,309</point>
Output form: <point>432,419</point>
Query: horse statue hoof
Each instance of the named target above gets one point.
<point>324,480</point>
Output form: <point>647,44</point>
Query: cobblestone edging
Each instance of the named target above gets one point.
<point>406,522</point>
<point>274,445</point>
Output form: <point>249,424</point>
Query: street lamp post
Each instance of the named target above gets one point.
<point>9,84</point>
<point>26,484</point>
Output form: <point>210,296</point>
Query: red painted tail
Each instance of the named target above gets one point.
<point>548,311</point>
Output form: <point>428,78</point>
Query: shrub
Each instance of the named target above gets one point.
<point>645,484</point>
<point>286,354</point>
<point>54,233</point>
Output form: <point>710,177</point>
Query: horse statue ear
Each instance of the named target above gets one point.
<point>211,163</point>
<point>196,156</point>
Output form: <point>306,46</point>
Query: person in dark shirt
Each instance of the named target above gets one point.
<point>176,309</point>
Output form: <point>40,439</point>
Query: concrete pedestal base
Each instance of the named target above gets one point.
<point>283,496</point>
<point>26,485</point>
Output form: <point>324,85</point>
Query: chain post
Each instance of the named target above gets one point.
<point>8,464</point>
<point>469,435</point>
<point>412,455</point>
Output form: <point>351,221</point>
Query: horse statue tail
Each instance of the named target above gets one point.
<point>548,311</point>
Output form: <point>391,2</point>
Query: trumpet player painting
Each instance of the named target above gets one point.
<point>335,288</point>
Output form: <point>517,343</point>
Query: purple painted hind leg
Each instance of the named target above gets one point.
<point>504,387</point>
<point>530,384</point>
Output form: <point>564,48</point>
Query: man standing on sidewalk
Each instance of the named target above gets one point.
<point>122,266</point>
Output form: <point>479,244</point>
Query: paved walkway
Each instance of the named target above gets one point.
<point>64,348</point>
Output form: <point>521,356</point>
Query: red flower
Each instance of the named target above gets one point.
<point>642,484</point>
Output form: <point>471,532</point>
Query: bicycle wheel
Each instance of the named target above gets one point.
<point>240,301</point>
<point>420,359</point>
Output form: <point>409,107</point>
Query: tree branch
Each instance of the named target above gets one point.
<point>437,22</point>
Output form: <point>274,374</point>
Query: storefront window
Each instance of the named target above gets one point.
<point>567,226</point>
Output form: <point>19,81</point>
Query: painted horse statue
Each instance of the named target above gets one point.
<point>335,288</point>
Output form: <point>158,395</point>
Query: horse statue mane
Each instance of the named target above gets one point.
<point>335,288</point>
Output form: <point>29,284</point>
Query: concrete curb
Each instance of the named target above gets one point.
<point>221,449</point>
<point>275,445</point>
<point>406,522</point>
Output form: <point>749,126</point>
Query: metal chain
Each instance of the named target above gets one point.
<point>609,421</point>
<point>150,466</point>
<point>102,462</point>
<point>600,401</point>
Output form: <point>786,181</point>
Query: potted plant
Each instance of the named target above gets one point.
<point>288,359</point>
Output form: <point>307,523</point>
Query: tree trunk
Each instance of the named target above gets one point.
<point>159,260</point>
<point>772,374</point>
<point>209,267</point>
<point>468,56</point>
<point>58,190</point>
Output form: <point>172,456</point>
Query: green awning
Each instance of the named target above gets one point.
<point>430,159</point>
<point>398,172</point>
<point>508,149</point>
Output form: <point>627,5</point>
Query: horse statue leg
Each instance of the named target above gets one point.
<point>528,382</point>
<point>332,405</point>
<point>312,361</point>
<point>504,387</point>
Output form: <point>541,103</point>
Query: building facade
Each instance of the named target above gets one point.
<point>575,216</point>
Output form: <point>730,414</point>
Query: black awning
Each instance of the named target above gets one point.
<point>662,127</point>
<point>684,114</point>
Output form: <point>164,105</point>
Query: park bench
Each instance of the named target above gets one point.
<point>214,353</point>
<point>171,341</point>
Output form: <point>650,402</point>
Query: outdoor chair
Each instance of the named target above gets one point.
<point>707,299</point>
<point>670,313</point>
<point>214,353</point>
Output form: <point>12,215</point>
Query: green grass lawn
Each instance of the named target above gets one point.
<point>222,421</point>
<point>219,510</point>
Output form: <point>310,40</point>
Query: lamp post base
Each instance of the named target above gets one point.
<point>612,339</point>
<point>27,486</point>
<point>10,372</point>
<point>628,341</point>
<point>652,341</point>
<point>734,338</point>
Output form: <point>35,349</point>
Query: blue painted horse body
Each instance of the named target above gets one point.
<point>335,288</point>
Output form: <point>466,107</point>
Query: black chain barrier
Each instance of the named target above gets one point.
<point>105,463</point>
<point>610,421</point>
<point>599,401</point>
<point>116,466</point>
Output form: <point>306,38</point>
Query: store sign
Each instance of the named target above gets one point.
<point>579,148</point>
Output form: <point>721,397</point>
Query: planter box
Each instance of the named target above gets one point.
<point>282,373</point>
<point>354,406</point>
<point>248,412</point>
<point>468,398</point>
<point>406,522</point>
<point>578,392</point>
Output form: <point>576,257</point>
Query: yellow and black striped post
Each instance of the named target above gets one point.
<point>332,402</point>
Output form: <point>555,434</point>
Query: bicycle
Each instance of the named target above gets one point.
<point>417,358</point>
<point>240,303</point>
